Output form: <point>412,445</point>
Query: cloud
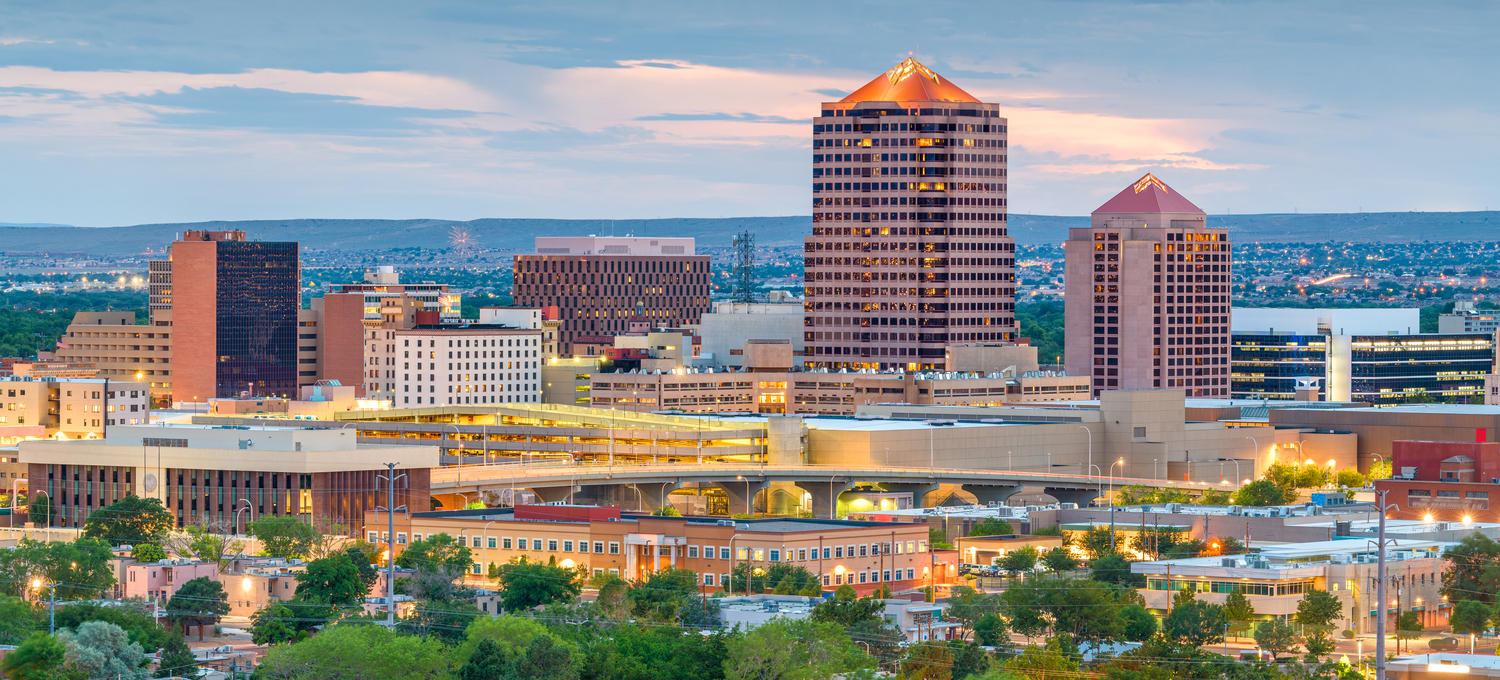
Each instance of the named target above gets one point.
<point>557,138</point>
<point>1267,137</point>
<point>266,109</point>
<point>831,92</point>
<point>752,117</point>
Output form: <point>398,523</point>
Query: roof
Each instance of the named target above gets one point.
<point>1148,195</point>
<point>910,81</point>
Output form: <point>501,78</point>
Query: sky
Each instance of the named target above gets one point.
<point>115,113</point>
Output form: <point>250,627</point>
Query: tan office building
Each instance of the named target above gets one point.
<point>1148,295</point>
<point>122,350</point>
<point>68,408</point>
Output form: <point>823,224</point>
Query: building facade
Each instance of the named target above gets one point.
<point>459,363</point>
<point>49,408</point>
<point>1148,295</point>
<point>121,350</point>
<point>235,325</point>
<point>206,475</point>
<point>600,540</point>
<point>1383,369</point>
<point>910,249</point>
<point>599,283</point>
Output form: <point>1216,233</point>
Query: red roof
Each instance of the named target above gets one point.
<point>1148,195</point>
<point>910,81</point>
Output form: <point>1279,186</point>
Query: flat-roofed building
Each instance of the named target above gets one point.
<point>121,349</point>
<point>77,408</point>
<point>1275,579</point>
<point>204,474</point>
<point>599,283</point>
<point>459,363</point>
<point>602,540</point>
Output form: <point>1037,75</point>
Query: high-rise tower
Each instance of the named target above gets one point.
<point>1148,295</point>
<point>909,251</point>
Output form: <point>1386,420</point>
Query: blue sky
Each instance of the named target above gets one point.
<point>149,111</point>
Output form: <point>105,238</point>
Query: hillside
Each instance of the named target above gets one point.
<point>517,234</point>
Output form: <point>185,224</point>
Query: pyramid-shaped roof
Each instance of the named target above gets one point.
<point>1148,195</point>
<point>910,81</point>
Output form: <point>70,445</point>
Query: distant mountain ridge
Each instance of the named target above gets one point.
<point>517,234</point>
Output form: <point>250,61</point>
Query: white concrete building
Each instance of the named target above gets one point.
<point>449,364</point>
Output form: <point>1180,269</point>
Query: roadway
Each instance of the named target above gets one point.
<point>554,481</point>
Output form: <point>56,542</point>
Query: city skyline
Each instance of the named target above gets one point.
<point>466,111</point>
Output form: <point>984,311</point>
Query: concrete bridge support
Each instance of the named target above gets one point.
<point>985,494</point>
<point>918,490</point>
<point>1079,496</point>
<point>825,497</point>
<point>742,494</point>
<point>654,494</point>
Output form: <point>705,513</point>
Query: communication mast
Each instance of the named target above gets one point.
<point>744,267</point>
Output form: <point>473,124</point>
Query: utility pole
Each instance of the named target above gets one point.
<point>1380,591</point>
<point>390,541</point>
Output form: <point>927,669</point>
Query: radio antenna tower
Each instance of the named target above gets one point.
<point>744,267</point>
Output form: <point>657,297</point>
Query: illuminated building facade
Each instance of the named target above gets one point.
<point>909,250</point>
<point>234,314</point>
<point>600,283</point>
<point>1383,370</point>
<point>1148,295</point>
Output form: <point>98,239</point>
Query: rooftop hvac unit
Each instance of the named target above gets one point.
<point>1234,509</point>
<point>1229,562</point>
<point>1443,526</point>
<point>1174,507</point>
<point>1068,506</point>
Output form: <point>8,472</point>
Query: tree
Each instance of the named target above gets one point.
<point>347,651</point>
<point>1037,663</point>
<point>1098,542</point>
<point>1195,623</point>
<point>792,650</point>
<point>1317,611</point>
<point>1020,560</point>
<point>438,552</point>
<point>368,574</point>
<point>101,649</point>
<point>18,618</point>
<point>1059,559</point>
<point>133,617</point>
<point>284,537</point>
<point>81,569</point>
<point>129,521</point>
<point>662,595</point>
<point>992,527</point>
<point>541,659</point>
<point>1083,610</point>
<point>1351,478</point>
<point>272,624</point>
<point>1213,497</point>
<point>1470,616</point>
<point>1155,541</point>
<point>927,661</point>
<point>36,658</point>
<point>148,552</point>
<point>786,579</point>
<point>1140,625</point>
<point>525,584</point>
<point>199,602</point>
<point>1380,469</point>
<point>1471,572</point>
<point>208,542</point>
<point>1276,637</point>
<point>488,662</point>
<point>847,610</point>
<point>1239,611</point>
<point>968,660</point>
<point>1261,493</point>
<point>666,511</point>
<point>1408,626</point>
<point>176,660</point>
<point>1115,569</point>
<point>41,510</point>
<point>333,581</point>
<point>990,631</point>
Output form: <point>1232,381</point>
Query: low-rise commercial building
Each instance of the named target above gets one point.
<point>1275,579</point>
<point>205,474</point>
<point>863,555</point>
<point>68,408</point>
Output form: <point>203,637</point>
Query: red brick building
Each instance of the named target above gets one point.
<point>600,283</point>
<point>1444,481</point>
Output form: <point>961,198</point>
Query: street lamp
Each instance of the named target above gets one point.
<point>236,527</point>
<point>52,605</point>
<point>1091,444</point>
<point>1121,463</point>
